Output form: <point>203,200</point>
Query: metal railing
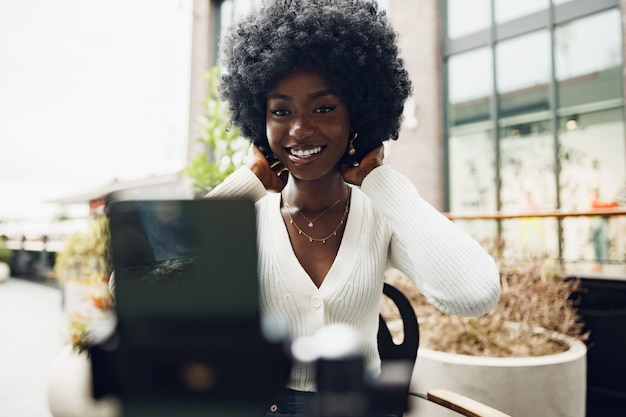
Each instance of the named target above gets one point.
<point>564,234</point>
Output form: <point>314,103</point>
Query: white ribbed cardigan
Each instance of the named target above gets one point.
<point>389,225</point>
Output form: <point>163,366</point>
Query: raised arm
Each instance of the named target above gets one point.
<point>451,269</point>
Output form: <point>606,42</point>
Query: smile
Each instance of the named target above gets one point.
<point>305,153</point>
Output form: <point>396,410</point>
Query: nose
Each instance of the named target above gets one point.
<point>301,128</point>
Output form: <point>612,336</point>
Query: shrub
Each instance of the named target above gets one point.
<point>84,266</point>
<point>5,254</point>
<point>535,294</point>
<point>224,147</point>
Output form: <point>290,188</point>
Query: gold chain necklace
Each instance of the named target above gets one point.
<point>310,224</point>
<point>334,232</point>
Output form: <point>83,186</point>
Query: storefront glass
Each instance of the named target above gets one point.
<point>560,131</point>
<point>471,148</point>
<point>506,10</point>
<point>591,132</point>
<point>588,59</point>
<point>523,88</point>
<point>467,16</point>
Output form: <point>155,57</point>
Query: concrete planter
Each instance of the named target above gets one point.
<point>69,388</point>
<point>548,386</point>
<point>5,271</point>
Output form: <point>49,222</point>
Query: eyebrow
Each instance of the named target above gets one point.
<point>317,94</point>
<point>323,93</point>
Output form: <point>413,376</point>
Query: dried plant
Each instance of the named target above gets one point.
<point>535,295</point>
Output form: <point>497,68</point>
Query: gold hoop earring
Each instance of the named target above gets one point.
<point>351,150</point>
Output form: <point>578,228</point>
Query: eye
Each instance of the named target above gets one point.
<point>324,109</point>
<point>279,112</point>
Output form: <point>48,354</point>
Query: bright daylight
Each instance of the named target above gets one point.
<point>312,208</point>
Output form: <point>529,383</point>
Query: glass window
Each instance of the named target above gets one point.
<point>513,56</point>
<point>470,146</point>
<point>527,171</point>
<point>523,88</point>
<point>528,184</point>
<point>591,128</point>
<point>592,156</point>
<point>468,16</point>
<point>530,236</point>
<point>470,86</point>
<point>522,172</point>
<point>592,160</point>
<point>506,10</point>
<point>472,170</point>
<point>588,59</point>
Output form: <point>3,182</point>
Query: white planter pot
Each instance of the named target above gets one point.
<point>69,388</point>
<point>547,386</point>
<point>5,271</point>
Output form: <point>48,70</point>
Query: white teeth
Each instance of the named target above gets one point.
<point>305,153</point>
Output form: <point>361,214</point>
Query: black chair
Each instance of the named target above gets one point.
<point>390,353</point>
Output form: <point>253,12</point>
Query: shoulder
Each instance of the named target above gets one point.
<point>267,209</point>
<point>269,201</point>
<point>361,205</point>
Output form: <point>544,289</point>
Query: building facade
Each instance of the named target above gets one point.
<point>517,108</point>
<point>533,107</point>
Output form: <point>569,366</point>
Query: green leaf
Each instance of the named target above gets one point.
<point>220,139</point>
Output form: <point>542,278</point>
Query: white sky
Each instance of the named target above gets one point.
<point>90,91</point>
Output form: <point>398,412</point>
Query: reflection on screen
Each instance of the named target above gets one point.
<point>185,258</point>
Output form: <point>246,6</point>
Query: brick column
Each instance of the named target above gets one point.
<point>202,59</point>
<point>418,153</point>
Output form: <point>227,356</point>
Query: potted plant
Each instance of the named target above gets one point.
<point>5,260</point>
<point>526,357</point>
<point>83,269</point>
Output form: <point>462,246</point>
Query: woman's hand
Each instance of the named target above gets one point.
<point>271,172</point>
<point>356,175</point>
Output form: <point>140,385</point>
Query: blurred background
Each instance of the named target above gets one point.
<point>91,92</point>
<point>515,128</point>
<point>517,109</point>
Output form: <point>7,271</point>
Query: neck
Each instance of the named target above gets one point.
<point>314,196</point>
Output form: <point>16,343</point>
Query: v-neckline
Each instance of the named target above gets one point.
<point>343,261</point>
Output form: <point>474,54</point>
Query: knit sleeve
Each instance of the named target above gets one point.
<point>450,268</point>
<point>241,183</point>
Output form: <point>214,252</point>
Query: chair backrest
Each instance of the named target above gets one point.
<point>407,351</point>
<point>404,352</point>
<point>387,348</point>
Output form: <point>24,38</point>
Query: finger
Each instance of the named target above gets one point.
<point>279,181</point>
<point>275,165</point>
<point>283,176</point>
<point>278,167</point>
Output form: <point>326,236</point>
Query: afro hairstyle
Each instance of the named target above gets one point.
<point>349,42</point>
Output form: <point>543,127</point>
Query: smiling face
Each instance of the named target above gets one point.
<point>307,125</point>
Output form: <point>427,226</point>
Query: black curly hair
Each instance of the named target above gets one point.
<point>349,42</point>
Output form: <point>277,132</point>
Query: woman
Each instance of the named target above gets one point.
<point>317,86</point>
